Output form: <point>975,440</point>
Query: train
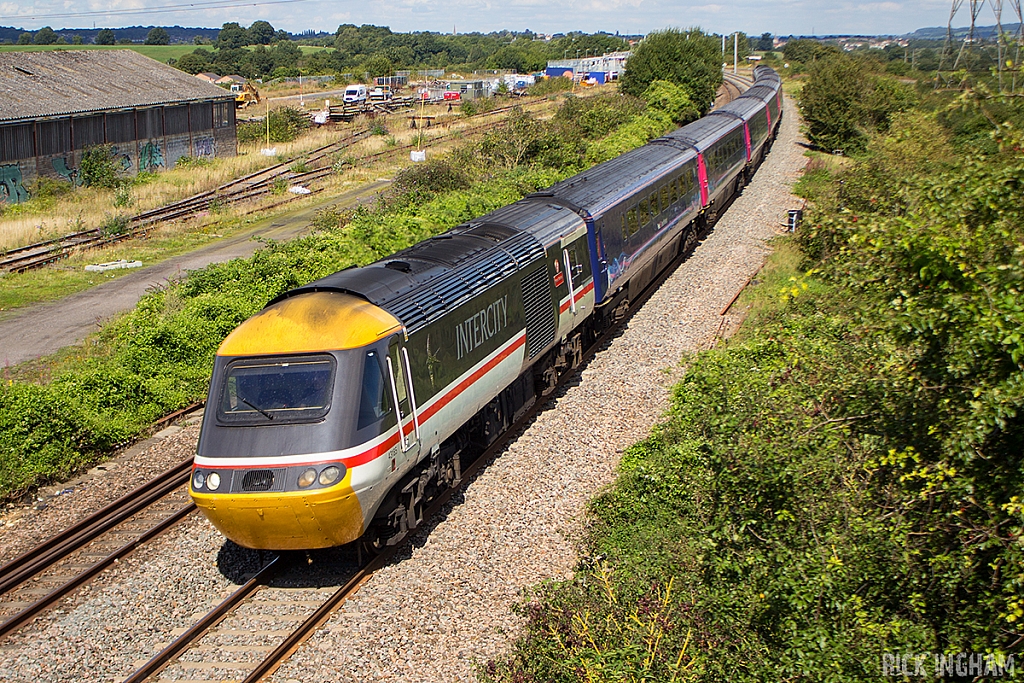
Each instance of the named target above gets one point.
<point>343,407</point>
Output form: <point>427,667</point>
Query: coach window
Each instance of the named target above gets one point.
<point>625,230</point>
<point>634,226</point>
<point>654,205</point>
<point>674,188</point>
<point>645,214</point>
<point>665,201</point>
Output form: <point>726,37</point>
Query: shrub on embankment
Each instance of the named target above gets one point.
<point>843,480</point>
<point>158,357</point>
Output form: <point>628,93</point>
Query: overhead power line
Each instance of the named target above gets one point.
<point>158,9</point>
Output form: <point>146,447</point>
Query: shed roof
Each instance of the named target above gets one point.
<point>62,82</point>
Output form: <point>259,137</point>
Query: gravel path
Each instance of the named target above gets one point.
<point>444,607</point>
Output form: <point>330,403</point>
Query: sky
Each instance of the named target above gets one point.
<point>779,17</point>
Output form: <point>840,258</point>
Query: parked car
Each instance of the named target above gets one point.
<point>381,93</point>
<point>452,95</point>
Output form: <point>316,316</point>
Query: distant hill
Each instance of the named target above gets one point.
<point>136,34</point>
<point>939,32</point>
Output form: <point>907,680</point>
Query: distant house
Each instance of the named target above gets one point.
<point>55,105</point>
<point>231,80</point>
<point>208,77</point>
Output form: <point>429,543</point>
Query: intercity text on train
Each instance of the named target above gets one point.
<point>481,326</point>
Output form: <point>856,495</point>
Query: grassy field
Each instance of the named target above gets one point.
<point>160,53</point>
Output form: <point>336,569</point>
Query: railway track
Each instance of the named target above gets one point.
<point>254,184</point>
<point>38,579</point>
<point>240,639</point>
<point>35,581</point>
<point>733,86</point>
<point>247,187</point>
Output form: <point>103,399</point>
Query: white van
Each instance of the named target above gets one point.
<point>355,93</point>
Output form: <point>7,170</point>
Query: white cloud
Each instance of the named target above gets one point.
<point>627,16</point>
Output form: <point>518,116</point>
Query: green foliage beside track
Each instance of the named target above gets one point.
<point>846,100</point>
<point>689,59</point>
<point>158,357</point>
<point>843,479</point>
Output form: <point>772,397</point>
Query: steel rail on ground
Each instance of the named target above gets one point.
<point>30,564</point>
<point>300,634</point>
<point>20,259</point>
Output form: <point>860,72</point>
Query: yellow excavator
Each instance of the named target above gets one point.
<point>245,95</point>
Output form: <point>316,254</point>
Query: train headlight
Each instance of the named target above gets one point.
<point>307,478</point>
<point>213,481</point>
<point>198,480</point>
<point>329,475</point>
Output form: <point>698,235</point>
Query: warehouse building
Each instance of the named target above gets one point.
<point>603,69</point>
<point>55,104</point>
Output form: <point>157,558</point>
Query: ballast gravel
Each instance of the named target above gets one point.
<point>443,608</point>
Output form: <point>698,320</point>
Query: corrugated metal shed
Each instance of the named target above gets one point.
<point>61,82</point>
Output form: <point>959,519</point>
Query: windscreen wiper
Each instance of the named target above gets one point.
<point>256,407</point>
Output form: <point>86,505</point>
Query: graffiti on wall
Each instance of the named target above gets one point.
<point>122,158</point>
<point>72,175</point>
<point>150,156</point>
<point>203,147</point>
<point>12,185</point>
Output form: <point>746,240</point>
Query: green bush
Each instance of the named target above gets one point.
<point>550,86</point>
<point>97,167</point>
<point>285,125</point>
<point>844,479</point>
<point>192,162</point>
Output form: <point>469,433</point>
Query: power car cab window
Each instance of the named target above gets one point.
<point>374,404</point>
<point>258,391</point>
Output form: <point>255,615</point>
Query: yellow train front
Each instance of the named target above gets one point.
<point>272,470</point>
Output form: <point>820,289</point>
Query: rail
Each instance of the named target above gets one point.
<point>296,637</point>
<point>62,548</point>
<point>39,254</point>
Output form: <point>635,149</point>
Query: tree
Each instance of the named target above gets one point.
<point>105,37</point>
<point>830,102</point>
<point>232,35</point>
<point>765,44</point>
<point>191,63</point>
<point>843,102</point>
<point>25,39</point>
<point>157,36</point>
<point>45,36</point>
<point>379,65</point>
<point>690,59</point>
<point>807,51</point>
<point>77,40</point>
<point>261,33</point>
